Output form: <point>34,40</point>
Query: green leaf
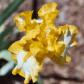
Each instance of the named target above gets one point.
<point>9,10</point>
<point>6,32</point>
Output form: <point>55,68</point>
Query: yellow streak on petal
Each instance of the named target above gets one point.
<point>68,59</point>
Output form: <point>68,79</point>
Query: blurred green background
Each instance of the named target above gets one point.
<point>71,12</point>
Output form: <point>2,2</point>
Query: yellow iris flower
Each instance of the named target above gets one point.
<point>42,39</point>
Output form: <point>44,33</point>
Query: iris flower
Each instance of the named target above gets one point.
<point>42,39</point>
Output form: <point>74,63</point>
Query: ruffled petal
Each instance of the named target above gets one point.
<point>22,20</point>
<point>48,11</point>
<point>42,39</point>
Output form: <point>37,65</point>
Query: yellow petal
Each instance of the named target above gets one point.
<point>68,59</point>
<point>32,33</point>
<point>36,47</point>
<point>73,29</point>
<point>59,48</point>
<point>15,71</point>
<point>21,73</point>
<point>15,47</point>
<point>48,11</point>
<point>22,20</point>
